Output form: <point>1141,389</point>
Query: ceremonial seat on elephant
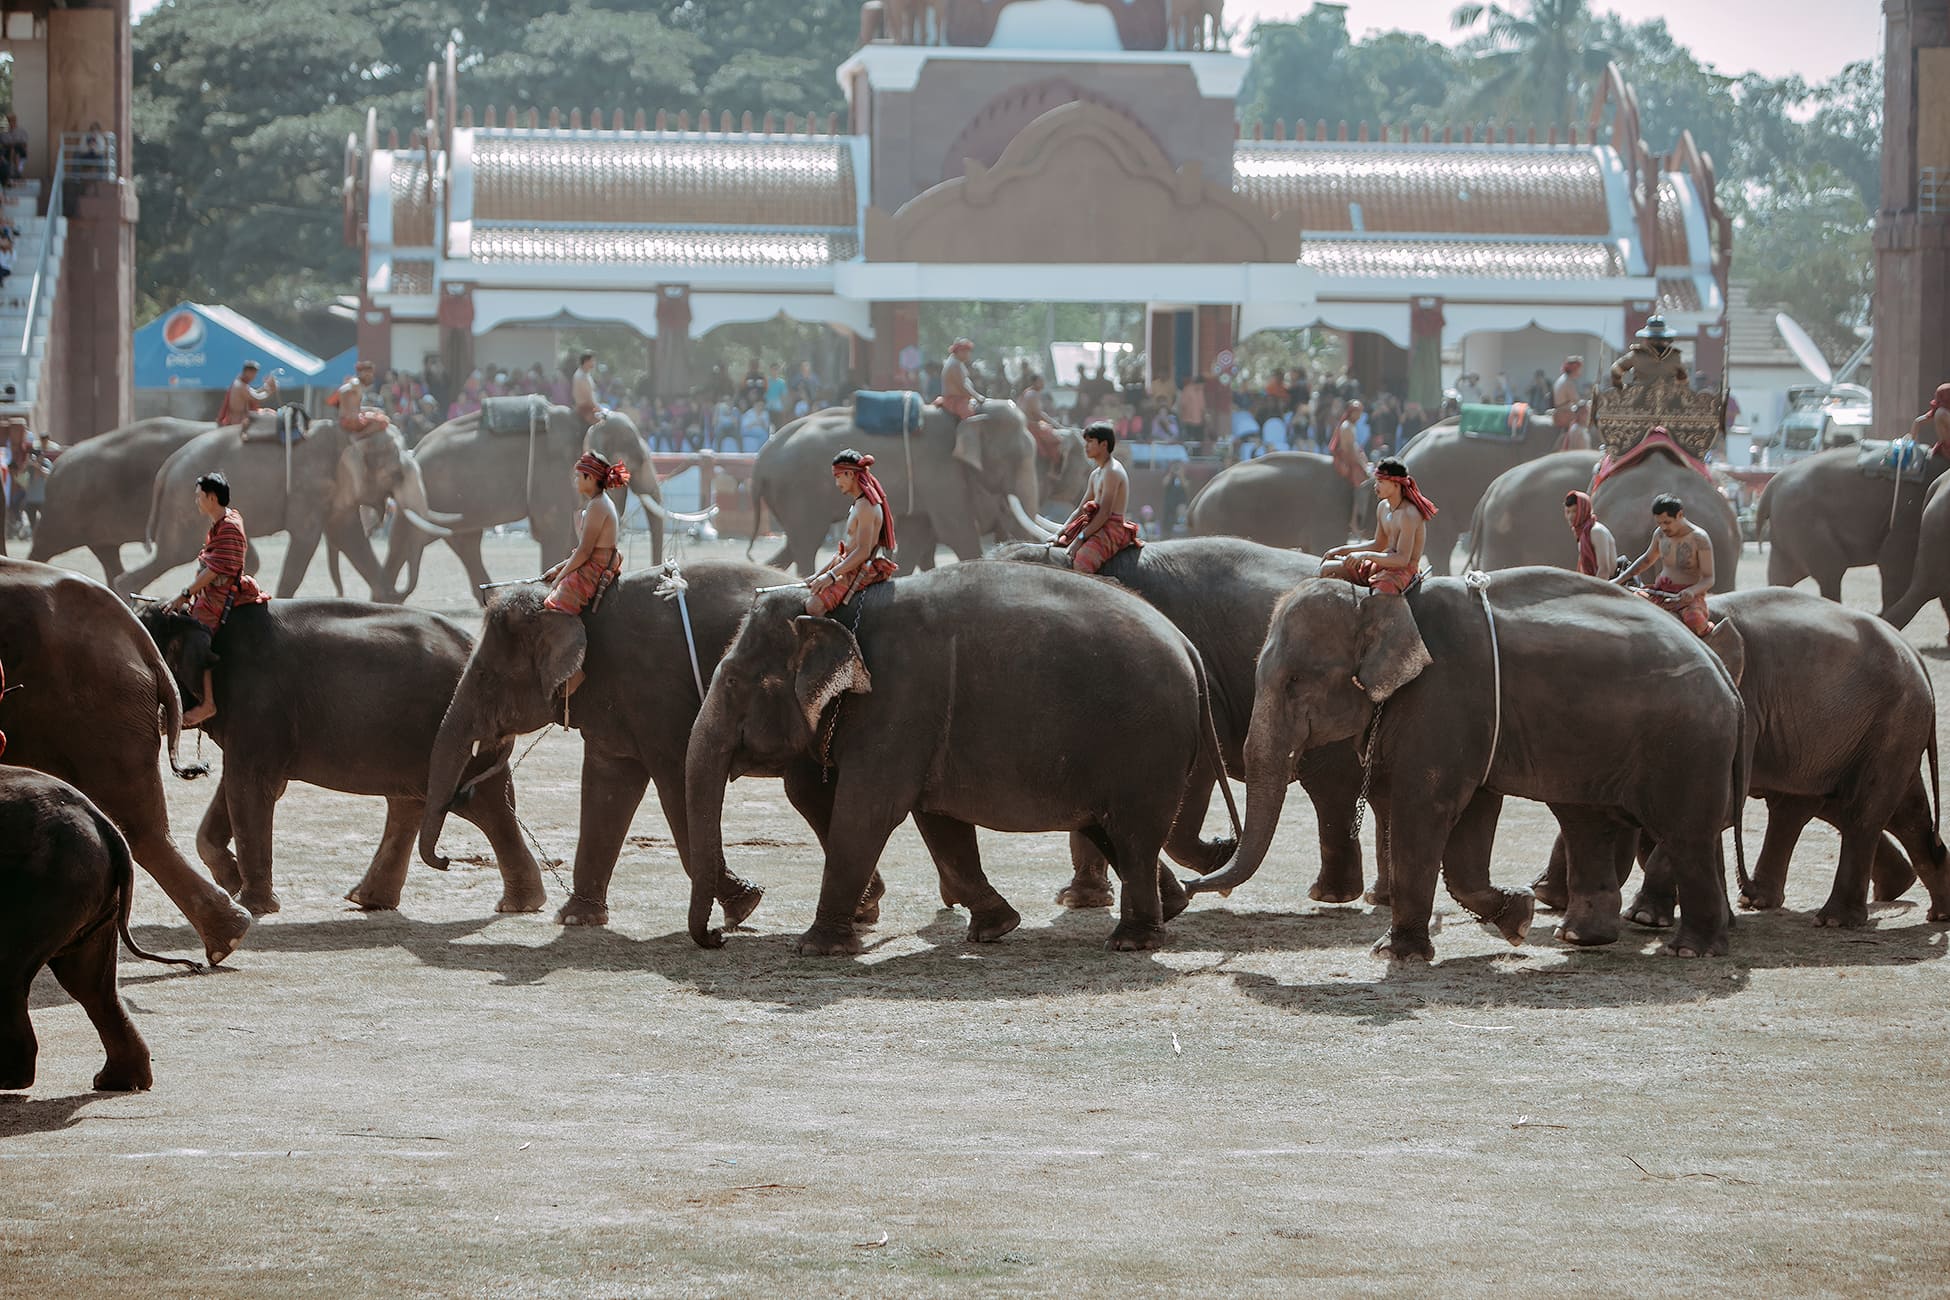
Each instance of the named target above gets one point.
<point>515,415</point>
<point>1889,460</point>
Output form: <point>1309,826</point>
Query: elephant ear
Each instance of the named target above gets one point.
<point>1725,641</point>
<point>563,640</point>
<point>825,664</point>
<point>1390,652</point>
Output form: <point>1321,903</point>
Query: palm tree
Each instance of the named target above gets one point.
<point>1537,59</point>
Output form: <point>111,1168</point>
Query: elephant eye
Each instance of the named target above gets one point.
<point>772,681</point>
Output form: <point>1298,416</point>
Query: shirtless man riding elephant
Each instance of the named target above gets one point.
<point>1684,554</point>
<point>1391,562</point>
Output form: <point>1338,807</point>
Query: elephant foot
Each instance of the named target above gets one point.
<point>125,1076</point>
<point>1136,936</point>
<point>1335,891</point>
<point>1757,899</point>
<point>1172,896</point>
<point>1846,916</point>
<point>222,932</point>
<point>223,870</point>
<point>1210,856</point>
<point>868,913</point>
<point>828,940</point>
<point>1940,911</point>
<point>1651,909</point>
<point>1550,893</point>
<point>528,896</point>
<point>582,911</point>
<point>991,924</point>
<point>1697,941</point>
<point>1083,891</point>
<point>1509,912</point>
<point>369,898</point>
<point>259,902</point>
<point>1590,921</point>
<point>1404,945</point>
<point>739,898</point>
<point>1377,895</point>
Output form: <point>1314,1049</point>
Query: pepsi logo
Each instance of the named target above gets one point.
<point>183,332</point>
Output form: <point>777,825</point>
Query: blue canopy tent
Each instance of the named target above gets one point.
<point>194,346</point>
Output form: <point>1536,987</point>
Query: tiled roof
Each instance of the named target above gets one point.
<point>412,276</point>
<point>1672,250</point>
<point>664,179</point>
<point>1678,294</point>
<point>1463,259</point>
<point>788,249</point>
<point>1752,339</point>
<point>1424,188</point>
<point>413,216</point>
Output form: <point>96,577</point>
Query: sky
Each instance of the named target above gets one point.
<point>1809,38</point>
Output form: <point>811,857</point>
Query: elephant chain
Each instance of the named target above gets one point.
<point>1367,770</point>
<point>547,859</point>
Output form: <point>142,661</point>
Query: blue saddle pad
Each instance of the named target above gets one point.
<point>888,412</point>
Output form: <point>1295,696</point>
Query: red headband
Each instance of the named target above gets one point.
<point>1410,493</point>
<point>875,494</point>
<point>605,474</point>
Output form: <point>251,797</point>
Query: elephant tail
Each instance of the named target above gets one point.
<point>1763,511</point>
<point>1209,743</point>
<point>155,511</point>
<point>170,699</point>
<point>758,512</point>
<point>123,866</point>
<point>1743,759</point>
<point>1475,563</point>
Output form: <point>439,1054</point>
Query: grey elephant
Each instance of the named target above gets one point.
<point>1454,469</point>
<point>332,479</point>
<point>931,707</point>
<point>479,478</point>
<point>1220,592</point>
<point>66,881</point>
<point>1520,519</point>
<point>1290,498</point>
<point>95,695</point>
<point>1824,516</point>
<point>1457,710</point>
<point>945,482</point>
<point>1843,715</point>
<point>377,682</point>
<point>1062,485</point>
<point>1929,570</point>
<point>98,494</point>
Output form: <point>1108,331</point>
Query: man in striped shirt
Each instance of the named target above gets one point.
<point>220,584</point>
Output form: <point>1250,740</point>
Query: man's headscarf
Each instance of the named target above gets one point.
<point>862,470</point>
<point>1581,523</point>
<point>1410,493</point>
<point>606,475</point>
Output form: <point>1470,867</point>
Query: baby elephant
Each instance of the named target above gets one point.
<point>66,881</point>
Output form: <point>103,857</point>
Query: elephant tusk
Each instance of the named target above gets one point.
<point>658,509</point>
<point>476,751</point>
<point>424,524</point>
<point>1034,525</point>
<point>444,517</point>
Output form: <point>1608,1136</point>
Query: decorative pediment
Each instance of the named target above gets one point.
<point>1081,183</point>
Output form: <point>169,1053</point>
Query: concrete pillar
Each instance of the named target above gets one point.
<point>896,327</point>
<point>1425,353</point>
<point>1912,242</point>
<point>90,362</point>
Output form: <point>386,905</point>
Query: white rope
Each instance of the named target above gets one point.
<point>1899,455</point>
<point>528,492</point>
<point>690,643</point>
<point>1479,582</point>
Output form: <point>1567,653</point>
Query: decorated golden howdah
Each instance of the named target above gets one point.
<point>1620,418</point>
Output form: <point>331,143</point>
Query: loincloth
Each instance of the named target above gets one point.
<point>574,589</point>
<point>835,594</point>
<point>1691,611</point>
<point>1370,574</point>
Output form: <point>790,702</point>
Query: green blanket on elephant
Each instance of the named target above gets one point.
<point>1482,420</point>
<point>1886,459</point>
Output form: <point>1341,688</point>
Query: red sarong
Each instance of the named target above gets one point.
<point>1370,574</point>
<point>835,594</point>
<point>225,548</point>
<point>959,405</point>
<point>1691,611</point>
<point>576,587</point>
<point>1107,541</point>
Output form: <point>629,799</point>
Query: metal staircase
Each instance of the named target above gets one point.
<point>28,296</point>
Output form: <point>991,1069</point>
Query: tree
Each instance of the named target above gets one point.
<point>1536,64</point>
<point>1805,244</point>
<point>1309,70</point>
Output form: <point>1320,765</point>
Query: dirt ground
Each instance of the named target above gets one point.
<point>442,1102</point>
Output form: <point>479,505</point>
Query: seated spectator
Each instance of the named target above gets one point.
<point>754,385</point>
<point>1164,425</point>
<point>1538,395</point>
<point>753,427</point>
<point>93,145</point>
<point>13,150</point>
<point>724,425</point>
<point>804,386</point>
<point>775,393</point>
<point>1276,387</point>
<point>6,258</point>
<point>1244,422</point>
<point>1273,434</point>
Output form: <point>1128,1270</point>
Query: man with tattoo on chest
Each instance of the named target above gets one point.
<point>1684,554</point>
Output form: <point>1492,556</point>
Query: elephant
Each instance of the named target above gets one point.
<point>1459,692</point>
<point>482,479</point>
<point>1220,592</point>
<point>93,688</point>
<point>332,477</point>
<point>1824,517</point>
<point>1929,570</point>
<point>1843,714</point>
<point>1454,471</point>
<point>1061,487</point>
<point>636,653</point>
<point>66,881</point>
<point>930,707</point>
<point>1520,520</point>
<point>953,499</point>
<point>378,679</point>
<point>1290,498</point>
<point>98,494</point>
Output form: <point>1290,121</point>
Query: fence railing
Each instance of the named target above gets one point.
<point>37,287</point>
<point>89,155</point>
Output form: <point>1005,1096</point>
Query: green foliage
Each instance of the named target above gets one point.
<point>1805,244</point>
<point>1309,70</point>
<point>1536,64</point>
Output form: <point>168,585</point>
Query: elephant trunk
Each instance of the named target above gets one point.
<point>1269,769</point>
<point>452,747</point>
<point>707,771</point>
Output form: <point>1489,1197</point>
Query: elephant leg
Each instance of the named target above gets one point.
<point>959,534</point>
<point>1466,870</point>
<point>612,788</point>
<point>1594,842</point>
<point>138,579</point>
<point>110,558</point>
<point>1443,534</point>
<point>1914,827</point>
<point>812,798</point>
<point>253,812</point>
<point>1848,900</point>
<point>1658,897</point>
<point>385,876</point>
<point>297,559</point>
<point>1186,844</point>
<point>864,817</point>
<point>1331,776</point>
<point>958,858</point>
<point>213,841</point>
<point>467,546</point>
<point>1552,888</point>
<point>219,921</point>
<point>1786,819</point>
<point>19,1049</point>
<point>1890,875</point>
<point>490,805</point>
<point>1416,841</point>
<point>87,972</point>
<point>1140,923</point>
<point>1089,876</point>
<point>919,541</point>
